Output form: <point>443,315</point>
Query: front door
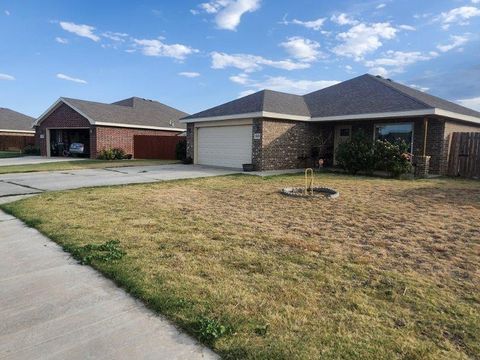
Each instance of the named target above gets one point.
<point>343,133</point>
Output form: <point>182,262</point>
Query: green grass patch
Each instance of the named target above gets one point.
<point>9,154</point>
<point>81,164</point>
<point>388,270</point>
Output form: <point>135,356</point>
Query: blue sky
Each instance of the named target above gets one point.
<point>196,54</point>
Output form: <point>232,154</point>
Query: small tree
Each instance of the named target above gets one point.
<point>356,154</point>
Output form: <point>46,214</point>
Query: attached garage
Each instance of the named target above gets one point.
<point>226,146</point>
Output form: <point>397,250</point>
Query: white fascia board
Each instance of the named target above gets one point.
<point>393,114</point>
<point>18,131</point>
<point>147,127</point>
<point>258,114</point>
<point>454,115</point>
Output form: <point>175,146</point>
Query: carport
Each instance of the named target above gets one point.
<point>59,140</point>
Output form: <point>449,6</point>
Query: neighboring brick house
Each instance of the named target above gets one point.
<point>102,126</point>
<point>16,130</point>
<point>274,130</point>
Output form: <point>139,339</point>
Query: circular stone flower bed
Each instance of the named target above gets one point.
<point>317,192</point>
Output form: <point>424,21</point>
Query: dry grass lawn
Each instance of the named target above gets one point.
<point>388,270</point>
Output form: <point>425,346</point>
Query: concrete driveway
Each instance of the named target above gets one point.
<point>27,160</point>
<point>32,183</point>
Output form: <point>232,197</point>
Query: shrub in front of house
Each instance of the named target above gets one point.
<point>31,150</point>
<point>181,150</point>
<point>357,154</point>
<point>111,154</point>
<point>393,158</point>
<point>360,154</point>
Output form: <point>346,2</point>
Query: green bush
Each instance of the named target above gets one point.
<point>31,150</point>
<point>361,154</point>
<point>181,150</point>
<point>357,154</point>
<point>111,154</point>
<point>392,157</point>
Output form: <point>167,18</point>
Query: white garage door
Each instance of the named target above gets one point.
<point>228,146</point>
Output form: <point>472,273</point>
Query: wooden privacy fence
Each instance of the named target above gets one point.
<point>15,143</point>
<point>155,147</point>
<point>464,158</point>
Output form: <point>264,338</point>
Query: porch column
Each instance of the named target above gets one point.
<point>422,162</point>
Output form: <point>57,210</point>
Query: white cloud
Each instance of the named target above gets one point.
<point>379,71</point>
<point>281,83</point>
<point>115,36</point>
<point>7,12</point>
<point>457,41</point>
<point>396,61</point>
<point>228,12</point>
<point>473,103</point>
<point>241,79</point>
<point>155,47</point>
<point>458,16</point>
<point>69,78</point>
<point>362,39</point>
<point>6,77</point>
<point>381,6</point>
<point>189,74</point>
<point>61,40</point>
<point>407,27</point>
<point>80,30</point>
<point>476,1</point>
<point>421,88</point>
<point>313,24</point>
<point>301,48</point>
<point>250,63</point>
<point>343,19</point>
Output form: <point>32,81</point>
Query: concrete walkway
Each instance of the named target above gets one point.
<point>53,308</point>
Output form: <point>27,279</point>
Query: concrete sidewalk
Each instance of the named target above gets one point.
<point>51,307</point>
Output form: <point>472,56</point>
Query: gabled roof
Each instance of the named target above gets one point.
<point>363,97</point>
<point>132,112</point>
<point>15,122</point>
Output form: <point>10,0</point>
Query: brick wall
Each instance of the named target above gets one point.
<point>62,117</point>
<point>117,137</point>
<point>190,137</point>
<point>285,144</point>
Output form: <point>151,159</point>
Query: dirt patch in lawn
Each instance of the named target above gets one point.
<point>387,270</point>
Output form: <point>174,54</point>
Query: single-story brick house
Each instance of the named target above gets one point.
<point>16,130</point>
<point>103,126</point>
<point>274,130</point>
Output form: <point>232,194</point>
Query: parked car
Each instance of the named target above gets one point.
<point>77,149</point>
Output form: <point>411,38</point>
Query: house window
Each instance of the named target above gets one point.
<point>345,132</point>
<point>395,132</point>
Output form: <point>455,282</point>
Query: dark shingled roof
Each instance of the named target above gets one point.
<point>12,120</point>
<point>265,100</point>
<point>366,94</point>
<point>131,111</point>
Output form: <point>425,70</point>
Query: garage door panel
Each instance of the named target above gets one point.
<point>229,146</point>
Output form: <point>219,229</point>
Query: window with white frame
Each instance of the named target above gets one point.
<point>395,132</point>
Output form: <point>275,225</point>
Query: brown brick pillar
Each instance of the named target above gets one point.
<point>422,165</point>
